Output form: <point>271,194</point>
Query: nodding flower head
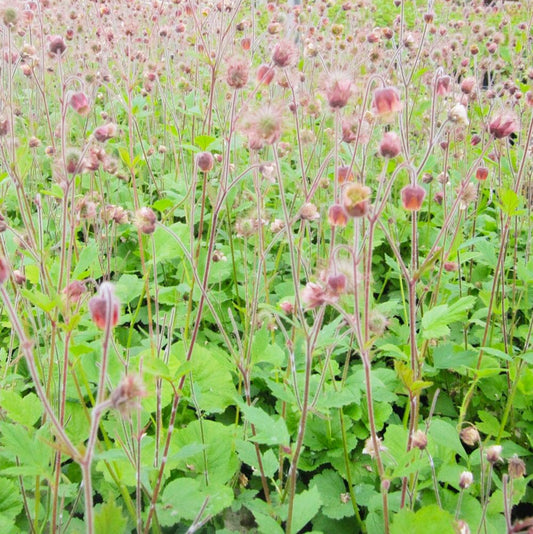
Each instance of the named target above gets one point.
<point>503,125</point>
<point>338,92</point>
<point>57,45</point>
<point>80,103</point>
<point>390,145</point>
<point>105,307</point>
<point>205,161</point>
<point>105,132</point>
<point>386,103</point>
<point>356,199</point>
<point>443,85</point>
<point>412,197</point>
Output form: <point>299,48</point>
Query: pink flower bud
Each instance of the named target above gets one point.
<point>265,74</point>
<point>105,132</point>
<point>57,45</point>
<point>344,174</point>
<point>482,173</point>
<point>503,125</point>
<point>356,199</point>
<point>145,220</point>
<point>386,102</point>
<point>337,215</point>
<point>443,85</point>
<point>412,197</point>
<point>80,103</point>
<point>105,306</point>
<point>205,161</point>
<point>390,145</point>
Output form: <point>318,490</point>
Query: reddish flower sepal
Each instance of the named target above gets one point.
<point>412,197</point>
<point>105,302</point>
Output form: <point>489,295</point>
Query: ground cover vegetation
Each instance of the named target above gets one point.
<point>266,268</point>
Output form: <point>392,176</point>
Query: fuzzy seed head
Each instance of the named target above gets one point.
<point>284,53</point>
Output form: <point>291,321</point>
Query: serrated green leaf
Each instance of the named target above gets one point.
<point>306,506</point>
<point>436,321</point>
<point>331,488</point>
<point>25,410</point>
<point>428,520</point>
<point>108,518</point>
<point>269,430</point>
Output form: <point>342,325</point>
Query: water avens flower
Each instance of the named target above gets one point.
<point>412,197</point>
<point>503,125</point>
<point>80,103</point>
<point>390,145</point>
<point>337,215</point>
<point>284,53</point>
<point>205,161</point>
<point>103,304</point>
<point>145,220</point>
<point>356,199</point>
<point>465,479</point>
<point>386,103</point>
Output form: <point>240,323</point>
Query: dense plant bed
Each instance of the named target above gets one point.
<point>266,268</point>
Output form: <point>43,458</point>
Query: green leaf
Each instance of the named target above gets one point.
<point>203,141</point>
<point>428,520</point>
<point>509,202</point>
<point>490,425</point>
<point>306,506</point>
<point>436,321</point>
<point>129,287</point>
<point>217,459</point>
<point>108,518</point>
<point>39,299</point>
<point>184,498</point>
<point>10,501</point>
<point>331,487</point>
<point>269,430</point>
<point>25,444</point>
<point>26,410</point>
<point>87,263</point>
<point>212,383</point>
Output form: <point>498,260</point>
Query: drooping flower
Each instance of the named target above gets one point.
<point>503,125</point>
<point>412,197</point>
<point>80,103</point>
<point>356,199</point>
<point>386,103</point>
<point>390,145</point>
<point>338,92</point>
<point>105,306</point>
<point>205,161</point>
